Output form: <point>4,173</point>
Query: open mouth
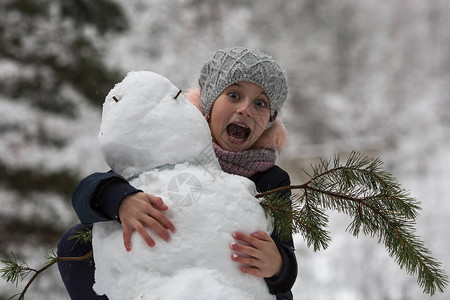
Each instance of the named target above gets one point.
<point>238,132</point>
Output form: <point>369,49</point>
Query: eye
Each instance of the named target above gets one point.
<point>261,103</point>
<point>233,95</point>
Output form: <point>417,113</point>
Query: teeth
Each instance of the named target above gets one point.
<point>240,125</point>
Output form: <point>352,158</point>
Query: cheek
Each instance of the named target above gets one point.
<point>219,116</point>
<point>215,127</point>
<point>261,124</point>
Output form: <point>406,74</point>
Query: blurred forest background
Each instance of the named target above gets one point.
<point>372,76</point>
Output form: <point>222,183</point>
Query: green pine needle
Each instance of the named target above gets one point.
<point>375,200</point>
<point>83,235</point>
<point>13,271</point>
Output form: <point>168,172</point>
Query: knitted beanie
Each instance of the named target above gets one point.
<point>228,66</point>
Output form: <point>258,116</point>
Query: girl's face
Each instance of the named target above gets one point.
<point>239,116</point>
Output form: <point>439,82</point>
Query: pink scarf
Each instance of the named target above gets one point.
<point>245,163</point>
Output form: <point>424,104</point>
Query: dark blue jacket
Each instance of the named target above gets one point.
<point>98,197</point>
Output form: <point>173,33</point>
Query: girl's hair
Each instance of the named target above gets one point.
<point>230,65</point>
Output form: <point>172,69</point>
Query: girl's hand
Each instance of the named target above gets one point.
<point>260,257</point>
<point>141,210</point>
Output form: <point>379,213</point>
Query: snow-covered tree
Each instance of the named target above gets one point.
<point>52,81</point>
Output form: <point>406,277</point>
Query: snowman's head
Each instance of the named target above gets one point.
<point>147,123</point>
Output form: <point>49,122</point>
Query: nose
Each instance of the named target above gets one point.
<point>245,109</point>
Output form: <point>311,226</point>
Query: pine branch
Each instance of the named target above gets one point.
<point>292,218</point>
<point>375,200</point>
<point>15,272</point>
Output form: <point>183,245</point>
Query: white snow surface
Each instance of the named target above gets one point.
<point>173,160</point>
<point>147,128</point>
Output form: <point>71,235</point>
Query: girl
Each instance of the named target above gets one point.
<point>241,92</point>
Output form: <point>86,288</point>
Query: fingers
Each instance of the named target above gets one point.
<point>253,239</point>
<point>251,253</point>
<point>128,230</point>
<point>247,250</point>
<point>251,265</point>
<point>261,235</point>
<point>253,271</point>
<point>144,234</point>
<point>248,265</point>
<point>248,260</point>
<point>153,223</point>
<point>157,202</point>
<point>259,255</point>
<point>141,211</point>
<point>154,212</point>
<point>127,238</point>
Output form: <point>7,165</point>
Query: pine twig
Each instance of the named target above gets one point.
<point>15,272</point>
<point>379,207</point>
<point>84,236</point>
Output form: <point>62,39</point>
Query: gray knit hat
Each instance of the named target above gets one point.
<point>228,66</point>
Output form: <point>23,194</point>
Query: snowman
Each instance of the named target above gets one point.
<point>161,143</point>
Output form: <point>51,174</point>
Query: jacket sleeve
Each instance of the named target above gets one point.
<point>282,284</point>
<point>98,197</point>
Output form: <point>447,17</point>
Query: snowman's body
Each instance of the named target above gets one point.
<point>164,145</point>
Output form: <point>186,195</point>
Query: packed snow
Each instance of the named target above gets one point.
<point>163,145</point>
